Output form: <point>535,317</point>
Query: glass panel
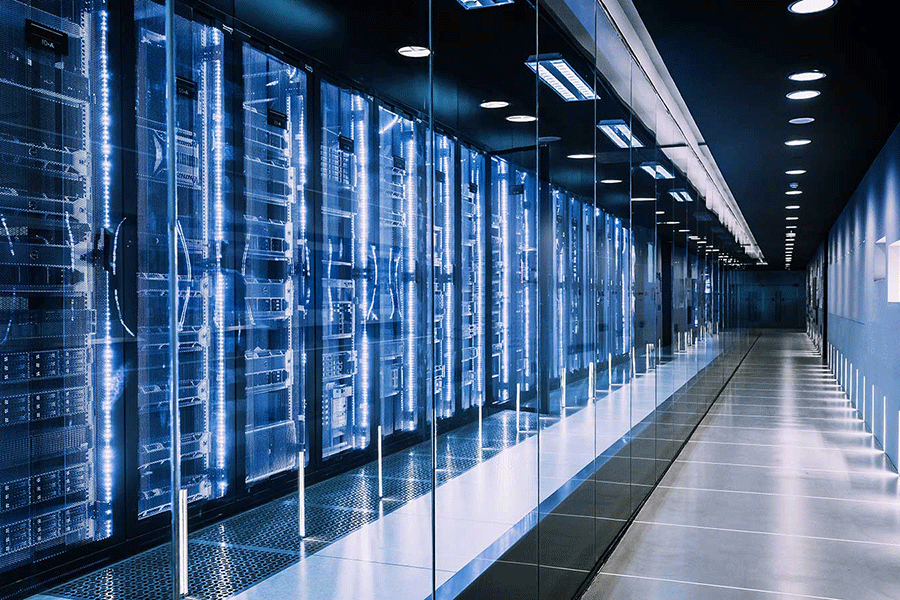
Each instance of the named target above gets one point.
<point>60,350</point>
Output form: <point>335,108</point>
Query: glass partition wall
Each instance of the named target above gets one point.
<point>402,296</point>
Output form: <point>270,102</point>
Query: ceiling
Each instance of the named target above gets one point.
<point>731,59</point>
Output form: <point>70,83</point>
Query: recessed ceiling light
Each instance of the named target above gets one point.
<point>801,121</point>
<point>795,172</point>
<point>803,94</point>
<point>521,119</point>
<point>813,75</point>
<point>701,242</point>
<point>580,156</point>
<point>472,4</point>
<point>792,218</point>
<point>414,51</point>
<point>792,207</point>
<point>797,142</point>
<point>657,170</point>
<point>793,192</point>
<point>684,231</point>
<point>610,181</point>
<point>790,227</point>
<point>557,73</point>
<point>660,212</point>
<point>490,104</point>
<point>805,7</point>
<point>620,133</point>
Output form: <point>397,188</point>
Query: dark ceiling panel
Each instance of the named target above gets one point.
<point>731,59</point>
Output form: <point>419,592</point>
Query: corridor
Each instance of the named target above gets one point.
<point>780,493</point>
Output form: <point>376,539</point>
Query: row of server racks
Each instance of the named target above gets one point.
<point>320,298</point>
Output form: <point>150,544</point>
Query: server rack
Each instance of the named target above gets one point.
<point>345,213</point>
<point>60,371</point>
<point>202,278</point>
<point>514,280</point>
<point>394,308</point>
<point>472,285</point>
<point>275,263</point>
<point>444,262</point>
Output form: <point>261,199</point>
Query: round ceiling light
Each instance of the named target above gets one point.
<point>806,7</point>
<point>610,181</point>
<point>801,121</point>
<point>491,104</point>
<point>792,207</point>
<point>580,156</point>
<point>792,218</point>
<point>793,192</point>
<point>797,142</point>
<point>813,75</point>
<point>795,172</point>
<point>803,94</point>
<point>521,119</point>
<point>414,51</point>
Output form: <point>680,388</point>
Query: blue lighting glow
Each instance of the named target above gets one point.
<point>620,133</point>
<point>657,170</point>
<point>556,72</point>
<point>472,4</point>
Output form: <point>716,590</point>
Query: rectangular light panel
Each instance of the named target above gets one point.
<point>681,195</point>
<point>470,4</point>
<point>620,133</point>
<point>559,75</point>
<point>657,171</point>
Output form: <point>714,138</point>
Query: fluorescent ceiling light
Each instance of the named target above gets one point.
<point>805,7</point>
<point>644,200</point>
<point>684,231</point>
<point>792,218</point>
<point>694,237</point>
<point>813,75</point>
<point>790,227</point>
<point>792,207</point>
<point>670,223</point>
<point>657,171</point>
<point>521,119</point>
<point>801,121</point>
<point>660,212</point>
<point>681,195</point>
<point>803,94</point>
<point>610,181</point>
<point>793,192</point>
<point>414,51</point>
<point>559,75</point>
<point>701,242</point>
<point>470,4</point>
<point>795,172</point>
<point>797,142</point>
<point>620,133</point>
<point>490,104</point>
<point>580,156</point>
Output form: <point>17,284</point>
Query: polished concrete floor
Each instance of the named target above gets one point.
<point>780,493</point>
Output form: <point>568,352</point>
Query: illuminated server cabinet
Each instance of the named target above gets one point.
<point>275,263</point>
<point>59,380</point>
<point>202,193</point>
<point>514,282</point>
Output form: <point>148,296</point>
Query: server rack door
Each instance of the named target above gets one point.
<point>575,360</point>
<point>444,265</point>
<point>204,281</point>
<point>346,214</point>
<point>394,307</point>
<point>472,292</point>
<point>60,369</point>
<point>523,224</point>
<point>501,283</point>
<point>558,347</point>
<point>274,263</point>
